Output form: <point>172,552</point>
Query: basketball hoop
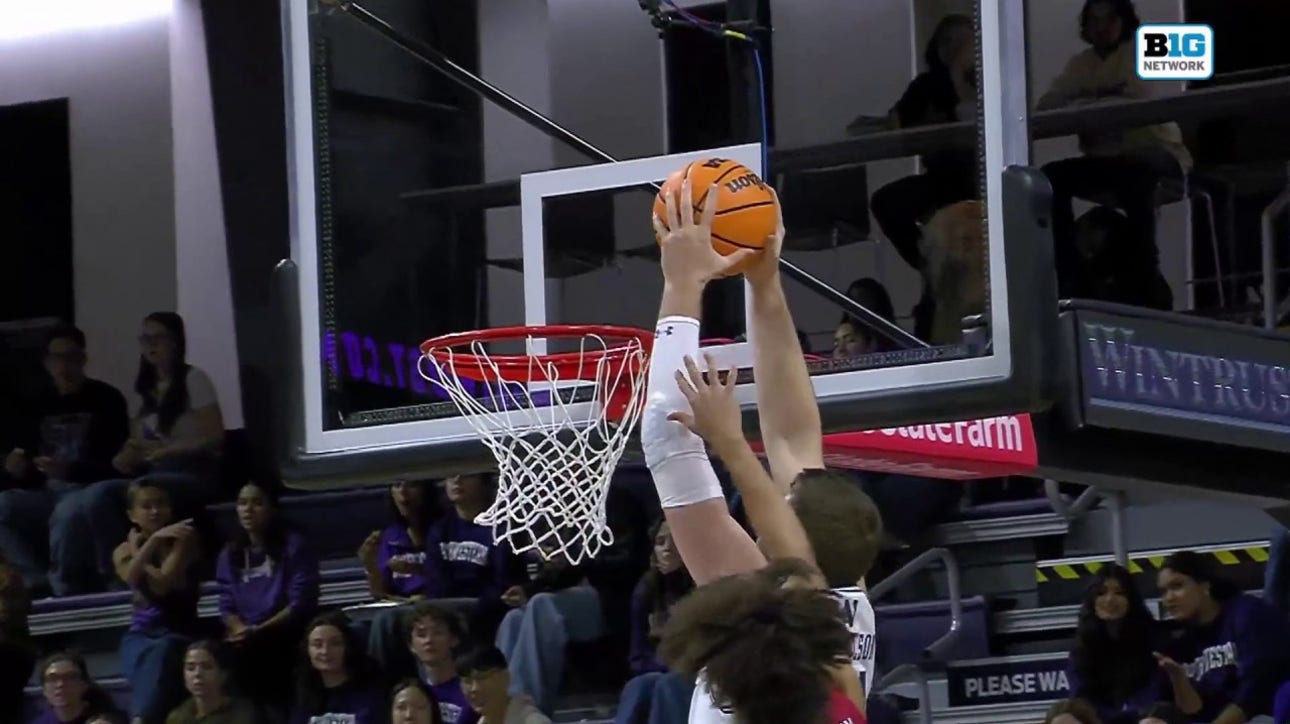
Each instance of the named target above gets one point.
<point>554,460</point>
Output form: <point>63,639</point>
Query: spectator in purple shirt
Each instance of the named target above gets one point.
<point>268,589</point>
<point>156,562</point>
<point>435,634</point>
<point>335,681</point>
<point>1234,649</point>
<point>1112,666</point>
<point>71,696</point>
<point>394,560</point>
<point>462,560</point>
<point>654,695</point>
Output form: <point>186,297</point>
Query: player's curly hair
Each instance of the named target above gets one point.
<point>765,649</point>
<point>842,524</point>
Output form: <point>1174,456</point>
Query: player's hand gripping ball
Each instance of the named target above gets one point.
<point>746,214</point>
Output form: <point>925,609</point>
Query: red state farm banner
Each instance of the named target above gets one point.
<point>963,450</point>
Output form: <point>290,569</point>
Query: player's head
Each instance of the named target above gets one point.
<point>841,522</point>
<point>794,635</point>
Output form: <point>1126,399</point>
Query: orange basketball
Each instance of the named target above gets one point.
<point>746,214</point>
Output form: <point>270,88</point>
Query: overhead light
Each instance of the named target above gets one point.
<point>21,19</point>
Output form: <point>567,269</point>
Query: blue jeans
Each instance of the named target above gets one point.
<point>655,698</point>
<point>533,638</point>
<point>1276,575</point>
<point>102,506</point>
<point>152,661</point>
<point>25,529</point>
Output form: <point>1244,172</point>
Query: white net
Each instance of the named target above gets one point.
<point>556,441</point>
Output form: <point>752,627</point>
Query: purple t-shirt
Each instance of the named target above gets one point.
<point>463,562</point>
<point>396,546</point>
<point>48,717</point>
<point>175,612</point>
<point>254,586</point>
<point>348,704</point>
<point>453,707</point>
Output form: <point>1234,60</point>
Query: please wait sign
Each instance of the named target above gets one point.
<point>1007,680</point>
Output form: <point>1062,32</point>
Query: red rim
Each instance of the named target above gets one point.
<point>516,367</point>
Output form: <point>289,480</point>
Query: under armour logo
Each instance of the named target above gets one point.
<point>666,331</point>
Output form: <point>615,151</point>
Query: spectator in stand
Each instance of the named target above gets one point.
<point>853,338</point>
<point>554,607</point>
<point>394,560</point>
<point>463,562</point>
<point>1071,711</point>
<point>335,681</point>
<point>156,562</point>
<point>1126,165</point>
<point>110,717</point>
<point>944,93</point>
<point>412,703</point>
<point>268,590</point>
<point>1112,665</point>
<point>74,427</point>
<point>207,678</point>
<point>1276,576</point>
<point>654,695</point>
<point>435,635</point>
<point>486,681</point>
<point>176,438</point>
<point>17,650</point>
<point>1234,649</point>
<point>70,694</point>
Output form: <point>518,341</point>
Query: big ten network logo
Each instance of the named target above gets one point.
<point>1175,51</point>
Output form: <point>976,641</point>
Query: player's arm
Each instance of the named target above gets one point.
<point>711,543</point>
<point>790,416</point>
<point>714,414</point>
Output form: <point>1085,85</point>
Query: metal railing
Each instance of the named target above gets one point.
<point>938,649</point>
<point>1085,502</point>
<point>1272,310</point>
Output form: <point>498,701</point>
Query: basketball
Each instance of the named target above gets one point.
<point>745,215</point>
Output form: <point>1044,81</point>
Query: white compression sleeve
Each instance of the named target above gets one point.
<point>676,457</point>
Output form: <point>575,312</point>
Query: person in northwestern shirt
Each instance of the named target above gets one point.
<point>463,562</point>
<point>1234,649</point>
<point>336,682</point>
<point>268,589</point>
<point>435,633</point>
<point>65,440</point>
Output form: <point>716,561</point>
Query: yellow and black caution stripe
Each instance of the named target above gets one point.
<point>1062,581</point>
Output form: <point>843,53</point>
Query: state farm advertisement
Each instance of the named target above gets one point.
<point>963,450</point>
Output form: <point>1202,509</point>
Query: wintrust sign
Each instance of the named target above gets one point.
<point>962,450</point>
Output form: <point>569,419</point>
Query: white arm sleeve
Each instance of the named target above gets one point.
<point>676,457</point>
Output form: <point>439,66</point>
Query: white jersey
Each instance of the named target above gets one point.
<point>856,611</point>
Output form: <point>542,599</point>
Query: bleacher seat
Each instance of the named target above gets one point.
<point>907,629</point>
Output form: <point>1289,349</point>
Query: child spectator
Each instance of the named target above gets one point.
<point>487,682</point>
<point>70,694</point>
<point>435,634</point>
<point>654,695</point>
<point>66,440</point>
<point>412,703</point>
<point>335,680</point>
<point>394,560</point>
<point>1112,666</point>
<point>1234,649</point>
<point>206,676</point>
<point>462,560</point>
<point>155,561</point>
<point>176,440</point>
<point>268,589</point>
<point>556,606</point>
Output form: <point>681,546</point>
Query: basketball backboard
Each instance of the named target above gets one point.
<point>376,269</point>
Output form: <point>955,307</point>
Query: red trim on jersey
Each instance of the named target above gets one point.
<point>843,711</point>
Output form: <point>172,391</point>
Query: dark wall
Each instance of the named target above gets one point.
<point>35,212</point>
<point>244,49</point>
